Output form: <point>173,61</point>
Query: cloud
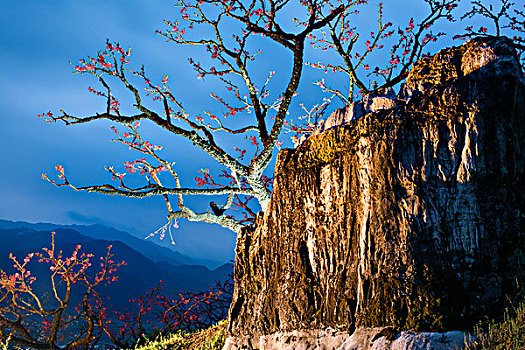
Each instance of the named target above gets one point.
<point>84,219</point>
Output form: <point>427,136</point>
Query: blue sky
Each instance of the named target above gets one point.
<point>37,39</point>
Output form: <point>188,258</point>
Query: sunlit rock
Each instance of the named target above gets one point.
<point>410,217</point>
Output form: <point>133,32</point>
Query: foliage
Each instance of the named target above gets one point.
<point>4,345</point>
<point>508,334</point>
<point>212,338</point>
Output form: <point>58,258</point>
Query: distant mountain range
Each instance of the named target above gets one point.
<point>147,248</point>
<point>147,263</point>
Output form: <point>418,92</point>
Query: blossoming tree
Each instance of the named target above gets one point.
<point>251,113</point>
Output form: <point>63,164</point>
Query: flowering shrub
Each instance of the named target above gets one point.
<point>55,320</point>
<point>156,313</point>
<point>49,321</point>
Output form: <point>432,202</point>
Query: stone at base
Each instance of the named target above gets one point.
<point>378,338</point>
<point>321,339</point>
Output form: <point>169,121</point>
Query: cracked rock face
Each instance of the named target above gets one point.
<point>411,217</point>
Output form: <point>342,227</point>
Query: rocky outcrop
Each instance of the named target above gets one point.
<point>411,217</point>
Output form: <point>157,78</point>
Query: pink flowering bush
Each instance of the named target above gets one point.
<point>51,320</point>
<point>71,313</point>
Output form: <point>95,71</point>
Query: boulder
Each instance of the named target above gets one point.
<point>384,338</point>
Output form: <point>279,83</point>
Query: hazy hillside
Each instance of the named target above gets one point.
<point>139,275</point>
<point>148,248</point>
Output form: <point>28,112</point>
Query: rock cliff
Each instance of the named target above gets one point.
<point>411,217</point>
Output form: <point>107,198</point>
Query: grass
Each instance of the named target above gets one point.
<point>212,338</point>
<point>6,346</point>
<point>508,334</point>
